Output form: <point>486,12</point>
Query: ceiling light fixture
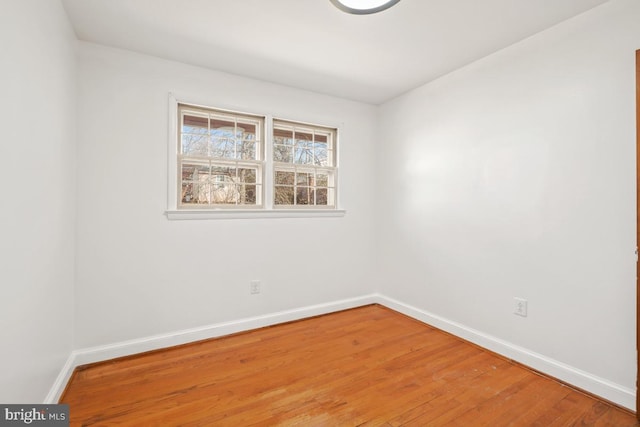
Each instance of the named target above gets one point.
<point>363,7</point>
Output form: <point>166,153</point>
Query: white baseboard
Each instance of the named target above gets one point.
<point>606,389</point>
<point>126,348</point>
<point>599,386</point>
<point>61,381</point>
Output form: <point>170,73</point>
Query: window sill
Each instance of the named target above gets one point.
<point>253,213</point>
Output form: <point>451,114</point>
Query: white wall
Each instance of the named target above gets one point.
<point>140,274</point>
<point>37,152</point>
<point>515,176</point>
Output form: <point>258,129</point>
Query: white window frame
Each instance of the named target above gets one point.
<point>330,168</point>
<point>267,209</point>
<point>208,161</point>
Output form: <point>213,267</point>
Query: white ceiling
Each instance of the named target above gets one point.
<point>311,45</point>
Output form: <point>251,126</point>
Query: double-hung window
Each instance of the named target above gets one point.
<point>303,165</point>
<point>224,162</point>
<point>220,159</point>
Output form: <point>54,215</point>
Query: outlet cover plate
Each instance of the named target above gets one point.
<point>254,287</point>
<point>520,307</point>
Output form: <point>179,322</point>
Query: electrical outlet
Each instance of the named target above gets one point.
<point>520,307</point>
<point>254,287</point>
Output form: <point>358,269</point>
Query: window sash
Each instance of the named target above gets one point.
<point>308,151</point>
<point>206,183</point>
<point>219,159</point>
<point>304,187</point>
<point>303,144</point>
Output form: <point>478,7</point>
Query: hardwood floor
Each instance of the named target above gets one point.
<point>367,366</point>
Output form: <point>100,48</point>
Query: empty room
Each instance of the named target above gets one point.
<point>319,212</point>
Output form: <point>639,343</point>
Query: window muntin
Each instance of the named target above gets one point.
<point>219,158</point>
<point>304,172</point>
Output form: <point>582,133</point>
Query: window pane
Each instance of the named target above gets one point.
<point>321,196</point>
<point>247,194</point>
<point>304,152</point>
<point>195,172</point>
<point>283,136</point>
<point>282,153</point>
<point>223,147</point>
<point>284,177</point>
<point>222,125</point>
<point>321,137</point>
<point>188,193</point>
<point>224,193</point>
<point>222,174</point>
<point>223,138</point>
<point>196,193</point>
<point>320,154</point>
<point>283,195</point>
<point>322,179</point>
<point>248,130</point>
<point>194,145</point>
<point>195,124</point>
<point>188,171</point>
<point>246,150</point>
<point>303,178</point>
<point>304,196</point>
<point>304,136</point>
<point>247,175</point>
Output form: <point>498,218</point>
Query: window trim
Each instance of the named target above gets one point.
<point>268,209</point>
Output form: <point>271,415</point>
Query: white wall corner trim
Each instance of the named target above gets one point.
<point>61,380</point>
<point>608,390</point>
<point>599,386</point>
